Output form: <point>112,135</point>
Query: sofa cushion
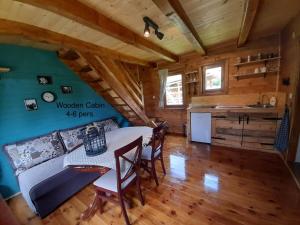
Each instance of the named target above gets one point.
<point>72,138</point>
<point>28,153</point>
<point>109,124</point>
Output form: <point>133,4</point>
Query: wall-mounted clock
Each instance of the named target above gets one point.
<point>48,96</point>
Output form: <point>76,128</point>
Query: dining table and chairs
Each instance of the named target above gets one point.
<point>129,150</point>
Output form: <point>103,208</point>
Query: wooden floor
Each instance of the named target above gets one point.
<point>295,168</point>
<point>203,185</point>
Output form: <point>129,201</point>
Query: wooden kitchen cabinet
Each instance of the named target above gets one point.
<point>260,131</point>
<point>227,129</point>
<point>246,130</point>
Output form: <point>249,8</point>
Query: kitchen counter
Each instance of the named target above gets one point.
<point>234,109</point>
<point>239,127</point>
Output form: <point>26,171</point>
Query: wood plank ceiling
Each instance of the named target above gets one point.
<point>215,21</point>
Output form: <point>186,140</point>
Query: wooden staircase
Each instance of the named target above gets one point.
<point>115,81</point>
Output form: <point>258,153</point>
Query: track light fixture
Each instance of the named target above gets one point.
<point>149,23</point>
<point>147,30</point>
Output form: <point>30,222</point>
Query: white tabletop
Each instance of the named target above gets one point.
<point>114,139</point>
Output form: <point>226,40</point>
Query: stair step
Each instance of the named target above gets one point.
<point>85,69</point>
<point>131,117</point>
<point>97,80</point>
<point>94,80</point>
<point>125,113</point>
<point>70,55</point>
<point>124,109</point>
<point>106,90</point>
<point>117,105</point>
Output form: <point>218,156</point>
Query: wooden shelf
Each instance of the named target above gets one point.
<point>250,75</point>
<point>256,61</point>
<point>191,82</point>
<point>191,72</point>
<point>4,70</point>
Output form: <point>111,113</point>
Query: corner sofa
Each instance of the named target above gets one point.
<point>38,165</point>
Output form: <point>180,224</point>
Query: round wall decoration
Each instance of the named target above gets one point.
<point>48,96</point>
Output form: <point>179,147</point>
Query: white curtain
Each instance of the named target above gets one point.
<point>163,74</point>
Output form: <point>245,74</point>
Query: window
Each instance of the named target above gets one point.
<point>174,94</point>
<point>213,78</point>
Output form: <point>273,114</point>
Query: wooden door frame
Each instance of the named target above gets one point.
<point>295,125</point>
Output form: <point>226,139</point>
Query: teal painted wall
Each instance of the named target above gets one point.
<point>16,123</point>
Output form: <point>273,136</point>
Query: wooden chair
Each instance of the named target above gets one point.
<point>154,151</point>
<point>116,182</point>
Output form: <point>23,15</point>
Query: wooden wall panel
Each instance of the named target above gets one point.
<point>290,66</point>
<point>229,56</point>
<point>238,99</point>
<point>177,117</point>
<point>290,37</point>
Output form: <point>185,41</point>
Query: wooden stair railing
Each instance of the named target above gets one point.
<point>135,84</point>
<point>112,80</point>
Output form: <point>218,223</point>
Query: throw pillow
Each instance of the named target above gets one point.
<point>109,124</point>
<point>72,138</point>
<point>26,154</point>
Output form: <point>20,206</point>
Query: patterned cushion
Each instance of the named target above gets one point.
<point>109,124</point>
<point>72,138</point>
<point>26,154</point>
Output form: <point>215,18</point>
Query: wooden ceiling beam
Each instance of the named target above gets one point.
<point>176,13</point>
<point>251,8</point>
<point>28,32</point>
<point>90,17</point>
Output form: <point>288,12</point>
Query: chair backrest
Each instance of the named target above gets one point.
<point>128,160</point>
<point>158,138</point>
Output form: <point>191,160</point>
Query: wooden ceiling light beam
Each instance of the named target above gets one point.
<point>36,34</point>
<point>251,8</point>
<point>90,17</point>
<point>176,13</point>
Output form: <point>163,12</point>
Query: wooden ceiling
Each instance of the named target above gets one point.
<point>273,16</point>
<point>215,21</point>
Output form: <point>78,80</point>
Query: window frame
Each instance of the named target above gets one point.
<point>222,90</point>
<point>181,106</point>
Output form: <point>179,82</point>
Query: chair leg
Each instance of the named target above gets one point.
<point>153,172</point>
<point>100,202</point>
<point>162,164</point>
<point>138,187</point>
<point>123,209</point>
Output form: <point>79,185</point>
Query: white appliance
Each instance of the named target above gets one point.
<point>201,127</point>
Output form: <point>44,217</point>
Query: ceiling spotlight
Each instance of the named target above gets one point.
<point>159,35</point>
<point>147,30</point>
<point>149,23</point>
